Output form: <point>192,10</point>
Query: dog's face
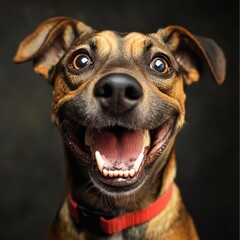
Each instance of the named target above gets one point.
<point>118,98</point>
<point>124,102</point>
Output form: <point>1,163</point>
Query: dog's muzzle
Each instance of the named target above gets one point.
<point>118,153</point>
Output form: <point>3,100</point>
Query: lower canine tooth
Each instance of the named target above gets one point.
<point>105,172</point>
<point>100,161</point>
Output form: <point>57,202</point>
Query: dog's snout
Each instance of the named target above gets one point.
<point>118,93</point>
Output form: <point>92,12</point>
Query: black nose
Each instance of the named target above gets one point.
<point>118,93</point>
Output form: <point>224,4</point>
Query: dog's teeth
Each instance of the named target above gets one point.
<point>120,173</point>
<point>138,162</point>
<point>146,138</point>
<point>111,173</point>
<point>132,172</point>
<point>105,172</point>
<point>126,173</point>
<point>100,161</point>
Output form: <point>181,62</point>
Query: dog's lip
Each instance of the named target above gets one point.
<point>75,139</point>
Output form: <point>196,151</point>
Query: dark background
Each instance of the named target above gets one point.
<point>31,155</point>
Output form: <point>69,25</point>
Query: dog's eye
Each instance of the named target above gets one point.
<point>161,65</point>
<point>81,61</point>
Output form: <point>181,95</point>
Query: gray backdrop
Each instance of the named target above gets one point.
<point>31,161</point>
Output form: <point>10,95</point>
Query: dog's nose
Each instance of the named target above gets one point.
<point>118,93</point>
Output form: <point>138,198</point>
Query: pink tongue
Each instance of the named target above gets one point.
<point>123,146</point>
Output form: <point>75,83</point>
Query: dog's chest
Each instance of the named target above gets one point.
<point>136,233</point>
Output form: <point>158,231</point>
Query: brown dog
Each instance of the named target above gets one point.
<point>118,100</point>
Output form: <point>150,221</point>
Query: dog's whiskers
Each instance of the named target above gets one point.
<point>87,189</point>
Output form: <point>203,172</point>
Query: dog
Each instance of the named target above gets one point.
<point>119,102</point>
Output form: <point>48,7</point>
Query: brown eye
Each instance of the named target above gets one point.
<point>81,61</point>
<point>159,64</point>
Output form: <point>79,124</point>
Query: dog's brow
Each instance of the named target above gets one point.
<point>154,40</point>
<point>151,39</point>
<point>92,44</point>
<point>148,44</point>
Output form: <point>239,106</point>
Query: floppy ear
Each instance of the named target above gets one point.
<point>195,54</point>
<point>48,43</point>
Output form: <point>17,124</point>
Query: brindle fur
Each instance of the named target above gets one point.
<point>50,47</point>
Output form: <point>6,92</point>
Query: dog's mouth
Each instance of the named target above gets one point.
<point>117,156</point>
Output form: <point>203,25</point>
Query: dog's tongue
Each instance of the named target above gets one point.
<point>117,145</point>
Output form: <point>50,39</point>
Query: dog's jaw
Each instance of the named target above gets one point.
<point>117,159</point>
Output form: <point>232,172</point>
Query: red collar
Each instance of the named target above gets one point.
<point>119,223</point>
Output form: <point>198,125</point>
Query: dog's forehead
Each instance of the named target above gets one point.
<point>131,43</point>
<point>114,43</point>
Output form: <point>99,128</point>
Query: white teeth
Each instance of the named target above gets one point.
<point>105,172</point>
<point>111,173</point>
<point>126,173</point>
<point>120,173</point>
<point>146,138</point>
<point>100,161</point>
<point>138,162</point>
<point>132,172</point>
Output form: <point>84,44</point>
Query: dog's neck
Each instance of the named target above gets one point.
<point>112,224</point>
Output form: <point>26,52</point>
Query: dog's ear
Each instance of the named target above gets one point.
<point>194,54</point>
<point>48,43</point>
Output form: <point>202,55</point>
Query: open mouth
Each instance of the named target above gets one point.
<point>117,156</point>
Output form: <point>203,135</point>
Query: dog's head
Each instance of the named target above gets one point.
<point>118,98</point>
